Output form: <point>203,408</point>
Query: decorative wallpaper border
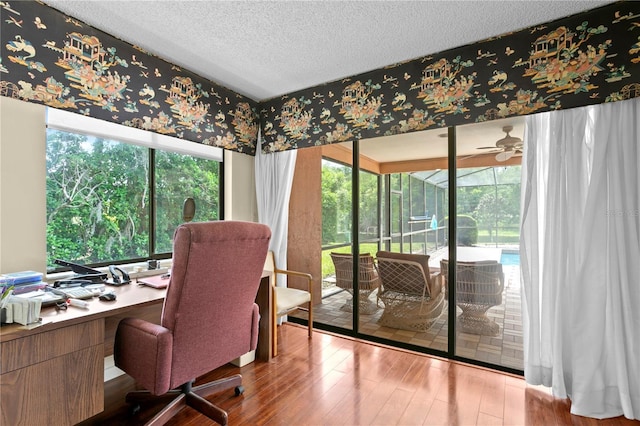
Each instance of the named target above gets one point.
<point>584,59</point>
<point>54,59</point>
<point>588,58</point>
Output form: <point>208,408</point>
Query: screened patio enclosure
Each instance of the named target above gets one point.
<point>490,195</point>
<point>397,199</point>
<point>414,210</point>
<point>409,213</point>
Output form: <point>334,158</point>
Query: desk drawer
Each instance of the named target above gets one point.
<point>40,347</point>
<point>61,391</point>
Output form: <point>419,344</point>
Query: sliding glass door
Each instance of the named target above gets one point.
<point>407,307</point>
<point>405,287</point>
<point>487,279</point>
<point>336,308</point>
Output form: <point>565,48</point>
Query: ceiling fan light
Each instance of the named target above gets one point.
<point>504,155</point>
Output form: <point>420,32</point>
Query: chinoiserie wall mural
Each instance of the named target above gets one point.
<point>587,58</point>
<point>53,59</point>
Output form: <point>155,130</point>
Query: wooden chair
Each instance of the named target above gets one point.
<point>413,297</point>
<point>368,280</point>
<point>288,299</point>
<point>479,287</point>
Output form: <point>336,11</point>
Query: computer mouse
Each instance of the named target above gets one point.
<point>107,296</point>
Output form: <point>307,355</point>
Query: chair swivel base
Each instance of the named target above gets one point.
<point>366,307</point>
<point>408,319</point>
<point>478,324</point>
<point>193,397</point>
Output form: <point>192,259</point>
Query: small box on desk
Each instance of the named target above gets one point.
<point>28,287</point>
<point>22,277</point>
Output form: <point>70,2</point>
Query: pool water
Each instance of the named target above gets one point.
<point>510,259</point>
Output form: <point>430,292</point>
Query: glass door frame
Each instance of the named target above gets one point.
<point>385,237</point>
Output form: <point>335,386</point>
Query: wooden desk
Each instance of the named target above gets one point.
<point>54,374</point>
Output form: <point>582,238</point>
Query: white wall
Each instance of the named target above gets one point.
<point>22,186</point>
<point>239,187</point>
<point>23,243</point>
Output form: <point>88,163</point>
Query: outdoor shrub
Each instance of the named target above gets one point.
<point>467,230</point>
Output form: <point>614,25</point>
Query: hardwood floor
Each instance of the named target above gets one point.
<point>332,380</point>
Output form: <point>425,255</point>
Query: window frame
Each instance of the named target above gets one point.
<point>88,126</point>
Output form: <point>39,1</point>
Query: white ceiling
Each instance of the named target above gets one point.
<point>264,49</point>
<point>434,143</point>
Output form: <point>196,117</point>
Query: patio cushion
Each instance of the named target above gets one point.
<point>435,286</point>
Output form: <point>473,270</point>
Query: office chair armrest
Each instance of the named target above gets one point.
<point>143,350</point>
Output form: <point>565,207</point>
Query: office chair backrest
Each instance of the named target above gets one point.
<point>210,303</point>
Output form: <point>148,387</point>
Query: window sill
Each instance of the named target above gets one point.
<point>134,270</point>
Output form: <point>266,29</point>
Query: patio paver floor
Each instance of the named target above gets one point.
<point>504,349</point>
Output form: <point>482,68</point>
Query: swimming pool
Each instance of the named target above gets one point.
<point>510,258</point>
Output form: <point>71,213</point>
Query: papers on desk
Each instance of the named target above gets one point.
<point>46,298</point>
<point>23,310</point>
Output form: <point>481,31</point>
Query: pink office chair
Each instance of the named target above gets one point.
<point>209,318</point>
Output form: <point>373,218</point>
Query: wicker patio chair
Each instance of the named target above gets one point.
<point>479,287</point>
<point>413,297</point>
<point>368,280</point>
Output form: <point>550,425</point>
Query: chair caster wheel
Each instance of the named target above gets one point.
<point>135,409</point>
<point>239,390</point>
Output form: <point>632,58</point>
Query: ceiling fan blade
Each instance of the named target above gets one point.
<point>466,157</point>
<point>486,147</point>
<point>479,154</point>
<point>505,155</point>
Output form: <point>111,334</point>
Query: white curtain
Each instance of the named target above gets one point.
<point>274,177</point>
<point>580,256</point>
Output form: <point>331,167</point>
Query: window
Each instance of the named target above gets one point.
<point>97,199</point>
<point>115,194</point>
<point>179,176</point>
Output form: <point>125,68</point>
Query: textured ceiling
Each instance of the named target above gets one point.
<point>264,49</point>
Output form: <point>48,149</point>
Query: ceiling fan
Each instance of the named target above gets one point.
<point>506,147</point>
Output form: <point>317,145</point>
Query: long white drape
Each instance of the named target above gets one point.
<point>580,256</point>
<point>274,177</point>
